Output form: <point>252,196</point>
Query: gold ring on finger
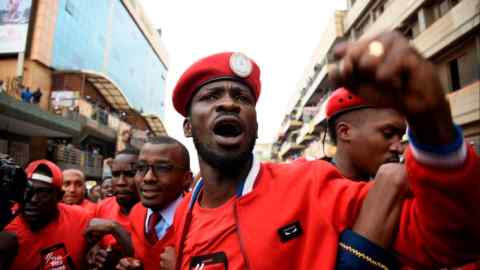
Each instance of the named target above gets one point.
<point>375,48</point>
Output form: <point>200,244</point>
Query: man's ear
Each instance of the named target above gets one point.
<point>187,127</point>
<point>344,131</point>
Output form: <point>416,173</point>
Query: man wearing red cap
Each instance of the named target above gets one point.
<point>50,234</point>
<point>366,137</point>
<point>245,214</point>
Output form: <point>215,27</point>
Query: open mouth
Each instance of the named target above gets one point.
<point>228,131</point>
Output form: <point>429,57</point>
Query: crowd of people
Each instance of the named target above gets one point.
<point>363,209</point>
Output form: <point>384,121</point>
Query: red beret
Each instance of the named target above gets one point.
<point>57,177</point>
<point>342,100</point>
<point>227,65</point>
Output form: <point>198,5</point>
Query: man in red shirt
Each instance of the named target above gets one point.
<point>117,208</point>
<point>367,138</point>
<point>74,188</point>
<point>289,216</point>
<point>49,233</point>
<point>162,175</point>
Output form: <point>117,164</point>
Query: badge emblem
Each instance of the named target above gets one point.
<point>290,231</point>
<point>241,65</point>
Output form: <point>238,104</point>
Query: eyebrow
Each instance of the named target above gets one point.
<point>396,127</point>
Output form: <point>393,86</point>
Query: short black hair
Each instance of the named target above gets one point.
<point>331,130</point>
<point>128,151</point>
<point>356,115</point>
<point>164,139</point>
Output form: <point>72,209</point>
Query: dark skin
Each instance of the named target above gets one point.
<point>95,193</point>
<point>124,185</point>
<point>213,101</point>
<point>126,197</point>
<point>100,227</point>
<point>158,189</point>
<point>369,144</point>
<point>399,78</point>
<point>380,212</point>
<point>40,207</point>
<point>107,189</point>
<point>366,139</point>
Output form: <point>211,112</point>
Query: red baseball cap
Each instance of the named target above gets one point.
<point>32,173</point>
<point>227,65</point>
<point>342,101</point>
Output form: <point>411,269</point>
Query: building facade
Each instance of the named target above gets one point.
<point>100,68</point>
<point>447,32</point>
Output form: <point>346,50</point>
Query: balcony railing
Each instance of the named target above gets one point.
<point>69,157</point>
<point>93,115</point>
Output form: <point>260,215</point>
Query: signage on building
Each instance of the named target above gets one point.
<point>64,98</point>
<point>14,19</point>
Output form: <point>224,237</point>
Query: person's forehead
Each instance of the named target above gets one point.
<point>124,159</point>
<point>160,152</point>
<point>72,177</point>
<point>224,85</point>
<point>386,116</point>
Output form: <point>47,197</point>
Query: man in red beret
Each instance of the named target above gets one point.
<point>367,137</point>
<point>245,214</point>
<point>50,234</point>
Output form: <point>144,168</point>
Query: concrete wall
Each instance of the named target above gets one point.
<point>36,76</point>
<point>43,31</point>
<point>8,69</point>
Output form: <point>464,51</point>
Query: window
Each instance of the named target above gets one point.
<point>460,70</point>
<point>410,28</point>
<point>454,75</point>
<point>438,9</point>
<point>468,67</point>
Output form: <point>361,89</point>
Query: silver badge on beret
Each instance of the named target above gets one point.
<point>241,65</point>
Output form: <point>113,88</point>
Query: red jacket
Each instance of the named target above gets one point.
<point>437,226</point>
<point>149,254</point>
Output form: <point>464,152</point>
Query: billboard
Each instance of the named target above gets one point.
<point>14,19</point>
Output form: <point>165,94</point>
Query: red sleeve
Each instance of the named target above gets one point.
<point>439,226</point>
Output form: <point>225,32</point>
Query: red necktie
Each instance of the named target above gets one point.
<point>152,233</point>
